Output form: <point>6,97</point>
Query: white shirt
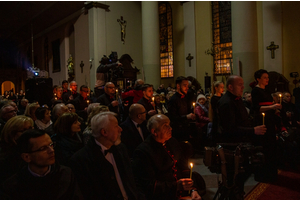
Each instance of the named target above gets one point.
<point>110,158</point>
<point>139,129</point>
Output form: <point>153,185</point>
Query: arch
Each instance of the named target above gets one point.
<point>6,86</point>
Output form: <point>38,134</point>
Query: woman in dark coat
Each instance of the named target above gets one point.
<point>67,138</point>
<point>263,103</point>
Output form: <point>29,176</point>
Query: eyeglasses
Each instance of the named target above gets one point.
<point>143,112</point>
<point>45,148</point>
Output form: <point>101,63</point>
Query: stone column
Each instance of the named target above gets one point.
<point>189,37</point>
<point>244,39</point>
<point>97,36</point>
<point>150,39</point>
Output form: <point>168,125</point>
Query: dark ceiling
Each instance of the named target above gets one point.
<point>16,18</point>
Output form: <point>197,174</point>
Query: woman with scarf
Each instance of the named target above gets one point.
<point>43,120</point>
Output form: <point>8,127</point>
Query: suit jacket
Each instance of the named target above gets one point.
<point>96,176</point>
<point>131,136</point>
<point>80,104</point>
<point>66,96</point>
<point>147,104</point>
<point>106,100</point>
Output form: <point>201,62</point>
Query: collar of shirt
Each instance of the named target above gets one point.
<point>103,148</point>
<point>136,124</point>
<point>37,175</point>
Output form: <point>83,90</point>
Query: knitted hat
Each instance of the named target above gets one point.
<point>200,96</point>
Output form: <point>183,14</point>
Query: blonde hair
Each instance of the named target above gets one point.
<point>96,110</point>
<point>13,126</point>
<point>30,108</point>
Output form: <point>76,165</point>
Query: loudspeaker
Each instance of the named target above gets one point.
<point>207,83</point>
<point>39,89</point>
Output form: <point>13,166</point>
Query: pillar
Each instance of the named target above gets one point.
<point>244,40</point>
<point>150,40</point>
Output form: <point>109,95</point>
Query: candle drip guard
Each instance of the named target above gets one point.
<point>235,162</point>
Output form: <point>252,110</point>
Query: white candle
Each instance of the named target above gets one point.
<point>263,114</point>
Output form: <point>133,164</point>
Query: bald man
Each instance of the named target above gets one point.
<point>109,98</point>
<point>134,128</point>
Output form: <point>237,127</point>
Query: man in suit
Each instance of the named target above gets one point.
<point>102,167</point>
<point>108,98</point>
<point>134,128</point>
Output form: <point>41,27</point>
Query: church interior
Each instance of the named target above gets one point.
<point>164,39</point>
<point>52,41</point>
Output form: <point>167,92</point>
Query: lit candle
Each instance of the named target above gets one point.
<point>116,94</point>
<point>191,174</point>
<point>280,99</point>
<point>191,170</point>
<point>87,101</point>
<point>71,89</point>
<point>54,94</point>
<point>194,105</point>
<point>153,98</point>
<point>263,114</point>
<point>55,98</point>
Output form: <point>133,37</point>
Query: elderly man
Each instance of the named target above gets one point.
<point>22,106</point>
<point>159,167</point>
<point>6,112</point>
<point>134,128</point>
<point>41,178</point>
<point>102,167</point>
<point>108,98</point>
<point>58,110</point>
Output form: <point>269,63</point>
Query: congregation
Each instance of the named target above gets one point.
<point>134,143</point>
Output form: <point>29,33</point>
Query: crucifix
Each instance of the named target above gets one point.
<point>81,65</point>
<point>189,58</point>
<point>123,27</point>
<point>272,48</point>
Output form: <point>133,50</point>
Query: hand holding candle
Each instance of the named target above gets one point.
<point>263,114</point>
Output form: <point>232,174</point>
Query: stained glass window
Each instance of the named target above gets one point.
<point>221,14</point>
<point>166,40</point>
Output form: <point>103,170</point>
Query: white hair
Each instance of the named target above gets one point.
<point>100,121</point>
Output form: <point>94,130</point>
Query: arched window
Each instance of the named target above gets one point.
<point>222,40</point>
<point>166,40</point>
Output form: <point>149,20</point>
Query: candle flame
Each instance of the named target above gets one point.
<point>191,165</point>
<point>263,114</point>
<point>194,104</point>
<point>152,98</point>
<point>279,95</point>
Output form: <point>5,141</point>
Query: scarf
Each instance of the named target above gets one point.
<point>203,107</point>
<point>41,125</point>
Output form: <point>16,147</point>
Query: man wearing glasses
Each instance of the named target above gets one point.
<point>109,98</point>
<point>134,127</point>
<point>41,178</point>
<point>82,102</point>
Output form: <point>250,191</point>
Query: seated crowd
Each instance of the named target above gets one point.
<point>123,144</point>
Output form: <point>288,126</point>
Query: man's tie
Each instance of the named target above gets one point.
<point>111,150</point>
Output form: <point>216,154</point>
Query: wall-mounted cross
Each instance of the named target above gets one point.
<point>81,65</point>
<point>272,48</point>
<point>190,58</point>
